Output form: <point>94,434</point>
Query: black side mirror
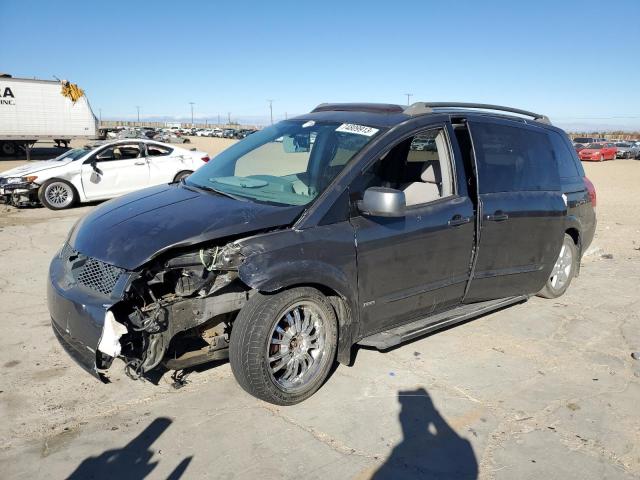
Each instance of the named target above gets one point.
<point>383,202</point>
<point>94,164</point>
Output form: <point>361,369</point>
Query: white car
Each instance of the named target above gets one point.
<point>98,172</point>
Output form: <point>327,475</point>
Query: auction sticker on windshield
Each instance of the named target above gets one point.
<point>358,129</point>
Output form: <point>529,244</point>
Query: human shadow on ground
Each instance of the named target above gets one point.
<point>131,461</point>
<point>429,448</point>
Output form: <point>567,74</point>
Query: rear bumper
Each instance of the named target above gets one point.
<point>77,317</point>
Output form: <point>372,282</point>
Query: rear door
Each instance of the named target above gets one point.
<point>164,163</point>
<point>521,209</point>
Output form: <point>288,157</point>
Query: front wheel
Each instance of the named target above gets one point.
<point>563,270</point>
<point>57,194</point>
<point>283,345</point>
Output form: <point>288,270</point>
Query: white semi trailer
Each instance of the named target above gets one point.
<point>32,110</point>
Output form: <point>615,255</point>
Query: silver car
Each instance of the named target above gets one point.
<point>627,150</point>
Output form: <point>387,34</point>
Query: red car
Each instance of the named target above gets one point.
<point>597,152</point>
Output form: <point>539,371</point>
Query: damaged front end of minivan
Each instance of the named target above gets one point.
<point>175,312</point>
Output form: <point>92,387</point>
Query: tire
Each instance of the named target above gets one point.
<point>56,194</point>
<point>264,326</point>
<point>601,157</point>
<point>8,149</point>
<point>183,174</point>
<point>560,280</point>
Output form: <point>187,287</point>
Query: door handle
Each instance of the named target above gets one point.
<point>499,216</point>
<point>458,220</point>
<point>140,163</point>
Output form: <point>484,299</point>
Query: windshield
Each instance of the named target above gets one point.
<point>73,154</point>
<point>290,163</point>
<point>594,146</point>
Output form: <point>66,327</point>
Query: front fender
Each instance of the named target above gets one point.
<point>323,256</point>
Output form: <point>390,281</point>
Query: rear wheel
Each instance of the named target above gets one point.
<point>180,175</point>
<point>563,270</point>
<point>57,194</point>
<point>601,157</point>
<point>8,149</point>
<point>282,346</point>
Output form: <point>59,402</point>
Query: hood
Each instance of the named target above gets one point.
<point>131,230</point>
<point>33,167</point>
<point>590,150</point>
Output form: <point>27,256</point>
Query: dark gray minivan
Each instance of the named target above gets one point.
<point>366,224</point>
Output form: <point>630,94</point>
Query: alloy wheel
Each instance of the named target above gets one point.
<point>59,194</point>
<point>561,272</point>
<point>296,349</point>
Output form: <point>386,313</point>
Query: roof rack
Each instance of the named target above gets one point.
<point>359,107</point>
<point>421,108</point>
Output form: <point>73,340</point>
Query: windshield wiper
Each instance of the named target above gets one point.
<point>215,190</point>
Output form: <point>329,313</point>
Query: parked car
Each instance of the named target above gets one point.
<point>167,137</point>
<point>627,150</point>
<point>598,152</point>
<point>228,133</point>
<point>97,172</point>
<point>282,255</point>
<point>579,147</point>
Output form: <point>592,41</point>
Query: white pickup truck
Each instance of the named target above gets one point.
<point>32,110</point>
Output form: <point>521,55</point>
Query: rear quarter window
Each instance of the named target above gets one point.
<point>512,159</point>
<point>564,157</point>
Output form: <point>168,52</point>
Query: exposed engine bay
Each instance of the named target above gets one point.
<point>177,311</point>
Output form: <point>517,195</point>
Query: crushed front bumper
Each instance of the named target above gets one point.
<point>77,315</point>
<point>20,194</point>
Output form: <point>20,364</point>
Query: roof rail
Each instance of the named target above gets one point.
<point>359,107</point>
<point>421,108</point>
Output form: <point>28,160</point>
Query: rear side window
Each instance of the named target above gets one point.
<point>154,150</point>
<point>564,157</point>
<point>512,159</point>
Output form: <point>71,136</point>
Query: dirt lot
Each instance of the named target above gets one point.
<point>547,389</point>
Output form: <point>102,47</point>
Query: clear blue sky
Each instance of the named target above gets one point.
<point>577,61</point>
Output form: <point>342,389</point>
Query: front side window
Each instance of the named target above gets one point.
<point>119,152</point>
<point>290,163</point>
<point>420,166</point>
<point>512,159</point>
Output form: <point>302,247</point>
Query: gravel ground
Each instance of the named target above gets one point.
<point>543,389</point>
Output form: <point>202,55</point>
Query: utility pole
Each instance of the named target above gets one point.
<point>228,118</point>
<point>100,114</point>
<point>271,110</point>
<point>286,116</point>
<point>138,107</point>
<point>409,95</point>
<point>218,119</point>
<point>192,104</point>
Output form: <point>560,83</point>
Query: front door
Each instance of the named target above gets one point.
<point>115,170</point>
<point>521,210</point>
<point>417,264</point>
